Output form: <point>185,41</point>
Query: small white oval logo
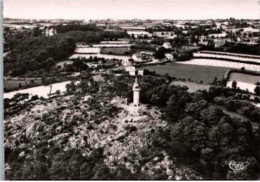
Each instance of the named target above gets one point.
<point>237,166</point>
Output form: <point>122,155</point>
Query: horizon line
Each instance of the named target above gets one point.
<point>131,18</point>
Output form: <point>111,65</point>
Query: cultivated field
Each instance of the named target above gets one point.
<point>114,50</point>
<point>244,81</point>
<point>194,72</point>
<point>41,91</point>
<point>227,56</point>
<point>220,63</point>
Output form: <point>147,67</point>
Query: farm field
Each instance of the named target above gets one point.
<point>87,50</point>
<point>244,81</point>
<point>231,57</point>
<point>242,77</point>
<point>221,63</point>
<point>194,72</point>
<point>114,50</point>
<point>41,91</point>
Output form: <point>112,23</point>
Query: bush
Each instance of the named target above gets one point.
<point>184,56</point>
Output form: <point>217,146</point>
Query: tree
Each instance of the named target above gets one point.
<point>215,81</point>
<point>234,84</point>
<point>70,88</point>
<point>37,32</point>
<point>80,65</point>
<point>184,56</point>
<point>257,88</point>
<point>160,54</point>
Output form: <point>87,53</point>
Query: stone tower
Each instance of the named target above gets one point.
<point>136,91</point>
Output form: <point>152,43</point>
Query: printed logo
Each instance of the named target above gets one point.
<point>238,166</point>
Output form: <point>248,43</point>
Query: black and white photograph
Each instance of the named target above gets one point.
<point>131,89</point>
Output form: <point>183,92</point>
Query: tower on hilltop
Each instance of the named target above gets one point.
<point>136,91</point>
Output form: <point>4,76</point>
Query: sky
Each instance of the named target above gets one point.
<point>130,9</point>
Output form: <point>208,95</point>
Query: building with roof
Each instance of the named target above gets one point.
<point>165,34</point>
<point>50,31</point>
<point>167,45</point>
<point>143,56</point>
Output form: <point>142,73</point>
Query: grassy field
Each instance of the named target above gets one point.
<point>243,77</point>
<point>244,81</point>
<point>113,50</point>
<point>194,72</point>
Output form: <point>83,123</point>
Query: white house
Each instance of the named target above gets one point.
<point>169,57</point>
<point>137,57</point>
<point>218,35</point>
<point>50,31</point>
<point>167,45</point>
<point>137,33</point>
<point>143,56</point>
<point>165,34</point>
<point>219,42</point>
<point>133,71</point>
<point>127,62</point>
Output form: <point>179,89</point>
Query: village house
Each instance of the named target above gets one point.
<point>169,57</point>
<point>165,34</point>
<point>167,45</point>
<point>249,31</point>
<point>232,30</point>
<point>180,25</point>
<point>133,71</point>
<point>203,40</point>
<point>127,62</point>
<point>49,31</point>
<point>185,32</point>
<point>143,56</point>
<point>219,42</point>
<point>218,35</point>
<point>136,31</point>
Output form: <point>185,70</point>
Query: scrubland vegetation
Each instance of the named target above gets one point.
<point>177,135</point>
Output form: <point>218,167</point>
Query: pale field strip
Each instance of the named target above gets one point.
<point>41,91</point>
<point>230,53</point>
<point>88,50</point>
<point>244,81</point>
<point>106,56</point>
<point>115,42</point>
<point>138,33</point>
<point>243,86</point>
<point>219,63</point>
<point>111,45</point>
<point>235,58</point>
<point>244,77</point>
